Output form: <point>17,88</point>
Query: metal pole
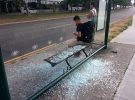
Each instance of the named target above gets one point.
<point>107,23</point>
<point>4,90</point>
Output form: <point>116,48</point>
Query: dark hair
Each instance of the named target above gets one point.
<point>92,3</point>
<point>76,18</point>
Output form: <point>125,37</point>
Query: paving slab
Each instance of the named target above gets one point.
<point>118,98</point>
<point>125,38</point>
<point>127,87</point>
<point>132,64</point>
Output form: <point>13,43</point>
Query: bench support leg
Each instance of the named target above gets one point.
<point>69,66</point>
<point>85,53</point>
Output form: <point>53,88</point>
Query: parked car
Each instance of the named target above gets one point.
<point>30,10</point>
<point>75,7</point>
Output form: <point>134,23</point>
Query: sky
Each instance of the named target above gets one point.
<point>132,1</point>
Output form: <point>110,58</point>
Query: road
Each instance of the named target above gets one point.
<point>21,38</point>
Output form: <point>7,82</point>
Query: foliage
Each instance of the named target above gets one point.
<point>64,4</point>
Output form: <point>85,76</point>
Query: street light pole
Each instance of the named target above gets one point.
<point>4,90</point>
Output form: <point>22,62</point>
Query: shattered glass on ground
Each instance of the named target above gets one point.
<point>96,79</point>
<point>94,69</point>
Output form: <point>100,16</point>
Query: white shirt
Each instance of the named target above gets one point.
<point>94,15</point>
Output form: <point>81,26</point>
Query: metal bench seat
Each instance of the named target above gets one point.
<point>64,55</point>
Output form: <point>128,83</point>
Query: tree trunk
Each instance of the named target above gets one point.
<point>6,5</point>
<point>0,9</point>
<point>27,9</point>
<point>71,8</point>
<point>54,7</point>
<point>39,4</point>
<point>71,5</point>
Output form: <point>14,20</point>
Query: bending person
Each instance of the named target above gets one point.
<point>84,32</point>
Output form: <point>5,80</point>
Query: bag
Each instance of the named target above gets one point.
<point>88,31</point>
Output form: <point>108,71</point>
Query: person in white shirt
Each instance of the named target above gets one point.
<point>92,15</point>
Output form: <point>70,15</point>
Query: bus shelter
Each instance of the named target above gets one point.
<point>100,43</point>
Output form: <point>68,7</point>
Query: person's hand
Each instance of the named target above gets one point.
<point>87,15</point>
<point>75,33</point>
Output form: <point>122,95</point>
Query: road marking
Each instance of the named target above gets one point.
<point>34,52</point>
<point>59,26</point>
<point>30,53</point>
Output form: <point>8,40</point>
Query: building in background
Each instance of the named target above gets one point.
<point>75,7</point>
<point>43,1</point>
<point>53,1</point>
<point>35,6</point>
<point>9,6</point>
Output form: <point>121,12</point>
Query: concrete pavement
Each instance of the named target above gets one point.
<point>126,90</point>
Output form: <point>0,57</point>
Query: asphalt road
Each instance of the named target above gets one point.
<point>18,39</point>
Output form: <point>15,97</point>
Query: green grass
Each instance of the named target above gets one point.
<point>120,26</point>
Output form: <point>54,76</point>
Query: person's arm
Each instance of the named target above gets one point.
<point>89,14</point>
<point>78,34</point>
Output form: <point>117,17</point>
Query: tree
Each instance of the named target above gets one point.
<point>38,4</point>
<point>6,5</point>
<point>17,4</point>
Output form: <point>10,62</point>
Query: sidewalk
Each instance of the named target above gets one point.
<point>126,90</point>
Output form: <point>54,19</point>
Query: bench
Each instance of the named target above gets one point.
<point>66,54</point>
